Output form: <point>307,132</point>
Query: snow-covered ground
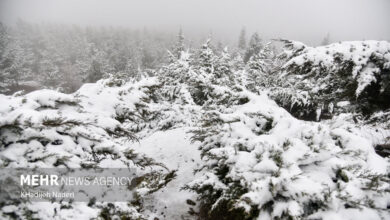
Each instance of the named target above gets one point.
<point>174,149</point>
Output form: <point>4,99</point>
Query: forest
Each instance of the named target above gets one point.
<point>263,129</point>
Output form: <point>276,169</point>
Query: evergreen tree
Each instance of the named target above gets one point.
<point>206,58</point>
<point>15,64</point>
<point>242,40</point>
<point>71,80</point>
<point>147,58</point>
<point>223,73</point>
<point>4,39</point>
<point>220,47</point>
<point>326,40</point>
<point>99,65</point>
<point>254,47</point>
<point>50,76</point>
<point>179,47</point>
<point>5,59</point>
<point>237,61</point>
<point>259,69</point>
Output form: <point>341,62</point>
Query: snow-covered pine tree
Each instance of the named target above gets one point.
<point>99,66</point>
<point>5,58</point>
<point>4,41</point>
<point>237,62</point>
<point>204,70</point>
<point>176,76</point>
<point>147,57</point>
<point>219,48</point>
<point>179,46</point>
<point>206,59</point>
<point>16,64</point>
<point>242,40</point>
<point>259,70</point>
<point>326,40</point>
<point>223,72</point>
<point>71,78</point>
<point>253,47</point>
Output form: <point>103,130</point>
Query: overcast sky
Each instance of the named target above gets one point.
<point>305,20</point>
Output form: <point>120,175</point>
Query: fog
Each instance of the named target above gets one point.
<point>305,20</point>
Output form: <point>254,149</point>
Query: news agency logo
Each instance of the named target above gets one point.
<point>55,180</point>
<point>39,180</point>
<point>72,184</point>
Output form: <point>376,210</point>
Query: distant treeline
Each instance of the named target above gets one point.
<point>63,56</point>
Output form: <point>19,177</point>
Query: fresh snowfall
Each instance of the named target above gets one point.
<point>302,133</point>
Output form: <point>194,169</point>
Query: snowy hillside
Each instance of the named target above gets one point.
<point>207,141</point>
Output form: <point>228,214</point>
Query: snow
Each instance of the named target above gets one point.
<point>298,160</point>
<point>361,55</point>
<point>367,76</point>
<point>268,151</point>
<point>174,149</point>
<point>48,129</point>
<point>270,160</point>
<point>348,214</point>
<point>357,51</point>
<point>343,103</point>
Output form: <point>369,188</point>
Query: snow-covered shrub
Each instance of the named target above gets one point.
<point>262,163</point>
<point>380,119</point>
<point>48,129</point>
<point>357,72</point>
<point>142,107</point>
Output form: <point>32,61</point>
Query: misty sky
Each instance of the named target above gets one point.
<point>305,20</point>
